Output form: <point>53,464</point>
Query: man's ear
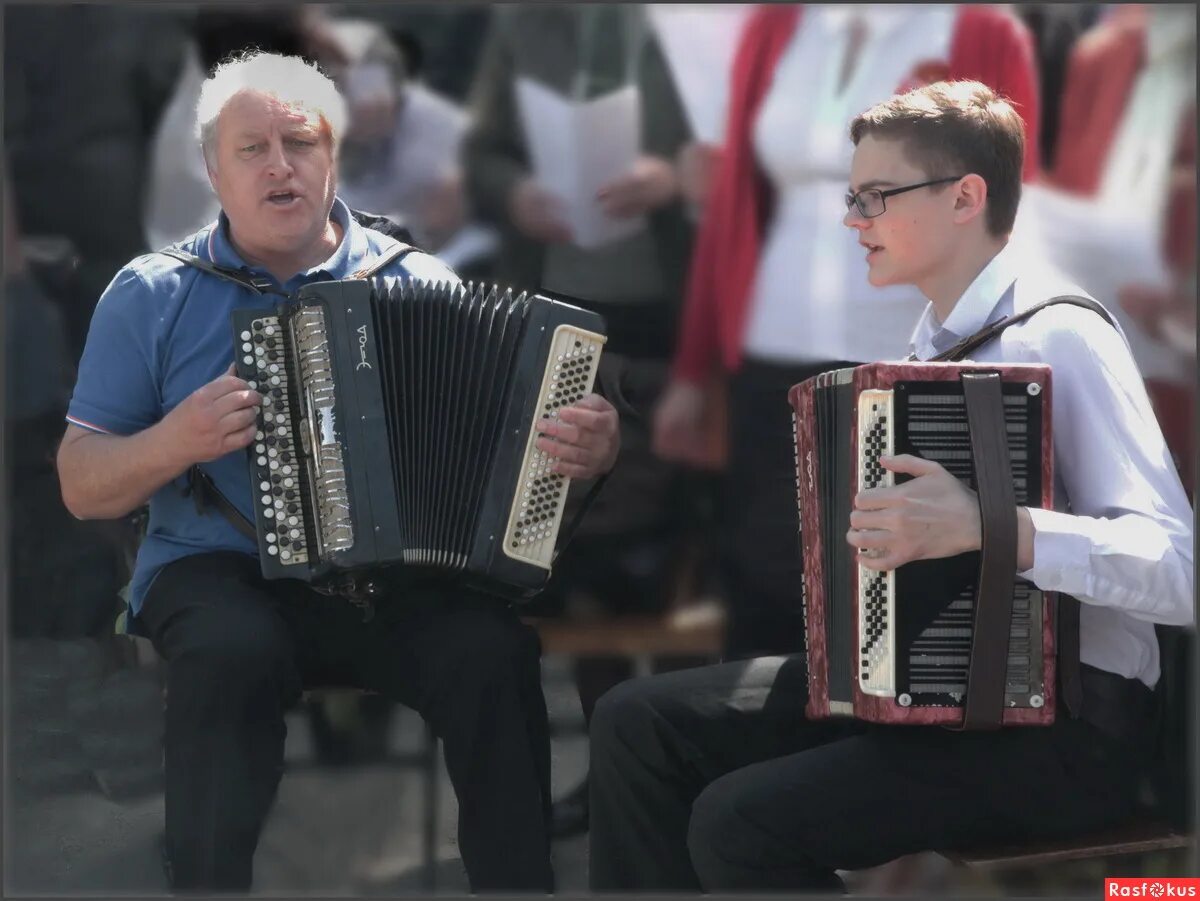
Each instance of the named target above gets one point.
<point>970,198</point>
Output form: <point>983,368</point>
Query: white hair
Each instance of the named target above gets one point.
<point>289,79</point>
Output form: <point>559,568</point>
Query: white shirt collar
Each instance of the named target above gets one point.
<point>974,309</point>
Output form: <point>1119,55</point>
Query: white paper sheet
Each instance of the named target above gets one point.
<point>699,42</point>
<point>577,147</point>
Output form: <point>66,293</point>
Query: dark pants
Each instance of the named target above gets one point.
<point>713,779</point>
<point>240,650</point>
<point>762,547</point>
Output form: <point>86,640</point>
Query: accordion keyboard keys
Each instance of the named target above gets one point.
<point>276,479</point>
<point>876,590</point>
<point>538,502</point>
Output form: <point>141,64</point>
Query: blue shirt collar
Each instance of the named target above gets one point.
<point>349,256</point>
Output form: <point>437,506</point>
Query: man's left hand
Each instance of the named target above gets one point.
<point>933,515</point>
<point>584,438</point>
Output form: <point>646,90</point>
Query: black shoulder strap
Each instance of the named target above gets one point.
<point>987,333</point>
<point>257,285</point>
<point>205,493</point>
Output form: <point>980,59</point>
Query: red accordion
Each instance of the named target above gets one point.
<point>959,641</point>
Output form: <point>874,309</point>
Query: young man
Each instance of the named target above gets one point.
<point>713,778</point>
<point>155,395</point>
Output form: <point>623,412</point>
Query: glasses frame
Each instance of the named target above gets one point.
<point>854,199</point>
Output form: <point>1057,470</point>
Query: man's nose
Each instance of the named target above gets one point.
<point>855,219</point>
<point>278,163</point>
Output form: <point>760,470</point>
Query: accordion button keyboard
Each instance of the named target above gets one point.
<point>280,507</point>
<point>537,510</point>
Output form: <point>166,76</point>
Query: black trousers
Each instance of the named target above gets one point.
<point>240,650</point>
<point>712,779</point>
<point>762,546</point>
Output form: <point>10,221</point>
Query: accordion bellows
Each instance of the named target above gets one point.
<point>895,647</point>
<point>398,427</point>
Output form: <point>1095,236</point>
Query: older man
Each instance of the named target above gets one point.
<point>155,396</point>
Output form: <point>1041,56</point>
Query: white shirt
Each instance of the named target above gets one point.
<point>811,294</point>
<point>1120,536</point>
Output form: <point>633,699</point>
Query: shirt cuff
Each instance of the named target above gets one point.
<point>1061,554</point>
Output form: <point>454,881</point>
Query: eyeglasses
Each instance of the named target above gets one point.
<point>872,201</point>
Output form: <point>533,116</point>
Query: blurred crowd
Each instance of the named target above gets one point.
<point>680,169</point>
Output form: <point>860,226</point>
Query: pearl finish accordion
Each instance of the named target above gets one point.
<point>959,641</point>
<point>398,428</point>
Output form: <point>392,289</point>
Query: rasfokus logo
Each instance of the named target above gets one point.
<point>1144,887</point>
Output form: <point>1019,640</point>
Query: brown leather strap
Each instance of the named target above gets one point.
<point>988,669</point>
<point>1069,672</point>
<point>400,251</point>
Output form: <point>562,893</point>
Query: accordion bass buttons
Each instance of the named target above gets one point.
<point>537,506</point>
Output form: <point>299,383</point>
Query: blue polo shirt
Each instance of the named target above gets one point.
<point>160,331</point>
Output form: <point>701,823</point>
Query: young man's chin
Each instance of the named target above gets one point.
<point>878,277</point>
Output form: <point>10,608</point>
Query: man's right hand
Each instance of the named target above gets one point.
<point>678,422</point>
<point>537,213</point>
<point>214,420</point>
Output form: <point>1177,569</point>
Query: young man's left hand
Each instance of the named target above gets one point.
<point>932,515</point>
<point>584,438</point>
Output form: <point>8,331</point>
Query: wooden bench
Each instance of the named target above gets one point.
<point>1139,837</point>
<point>684,632</point>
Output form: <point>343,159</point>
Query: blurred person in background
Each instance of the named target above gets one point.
<point>1118,210</point>
<point>778,289</point>
<point>441,42</point>
<point>1055,27</point>
<point>624,555</point>
<point>64,575</point>
<point>79,112</point>
<point>156,397</point>
<point>400,156</point>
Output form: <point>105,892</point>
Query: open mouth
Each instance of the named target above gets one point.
<point>872,249</point>
<point>282,198</point>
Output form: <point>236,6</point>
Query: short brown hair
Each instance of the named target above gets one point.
<point>952,127</point>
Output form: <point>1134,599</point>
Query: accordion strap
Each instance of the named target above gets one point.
<point>257,285</point>
<point>588,499</point>
<point>987,333</point>
<point>1069,672</point>
<point>398,252</point>
<point>983,706</point>
<point>205,493</point>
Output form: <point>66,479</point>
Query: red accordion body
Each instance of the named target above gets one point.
<point>894,647</point>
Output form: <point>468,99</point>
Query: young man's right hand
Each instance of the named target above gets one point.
<point>214,420</point>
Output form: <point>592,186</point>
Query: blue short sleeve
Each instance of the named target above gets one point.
<point>117,387</point>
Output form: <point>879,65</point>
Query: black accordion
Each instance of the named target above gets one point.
<point>398,425</point>
<point>959,641</point>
